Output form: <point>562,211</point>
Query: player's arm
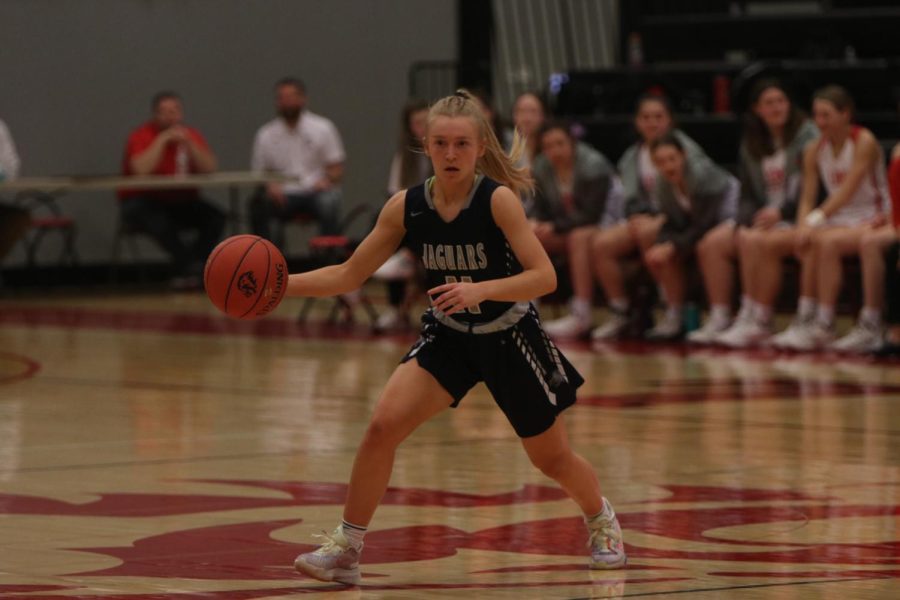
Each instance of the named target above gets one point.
<point>201,154</point>
<point>145,156</point>
<point>369,255</point>
<point>865,156</point>
<point>537,278</point>
<point>810,186</point>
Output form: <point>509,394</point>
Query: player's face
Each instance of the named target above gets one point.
<point>669,161</point>
<point>454,145</point>
<point>558,148</point>
<point>289,101</point>
<point>652,120</point>
<point>829,119</point>
<point>168,113</point>
<point>773,107</point>
<point>528,115</point>
<point>418,124</point>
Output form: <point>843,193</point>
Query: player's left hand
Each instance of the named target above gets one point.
<point>451,298</point>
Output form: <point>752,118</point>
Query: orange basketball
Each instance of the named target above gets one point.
<point>245,277</point>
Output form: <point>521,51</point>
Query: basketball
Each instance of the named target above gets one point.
<point>245,277</point>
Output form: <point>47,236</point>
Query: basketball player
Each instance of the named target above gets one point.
<point>483,265</point>
<point>854,219</point>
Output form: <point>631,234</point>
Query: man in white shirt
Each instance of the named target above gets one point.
<point>9,159</point>
<point>14,221</point>
<point>306,147</point>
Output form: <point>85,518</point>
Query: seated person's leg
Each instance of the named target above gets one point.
<point>715,255</point>
<point>579,321</point>
<point>868,334</point>
<point>669,273</point>
<point>328,211</point>
<point>153,217</point>
<point>553,242</point>
<point>645,229</point>
<point>264,208</point>
<point>821,281</point>
<point>397,272</point>
<point>14,223</point>
<point>208,221</point>
<point>892,299</point>
<point>761,254</point>
<point>832,245</point>
<point>609,247</point>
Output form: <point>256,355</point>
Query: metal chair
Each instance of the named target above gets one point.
<point>47,217</point>
<point>328,250</point>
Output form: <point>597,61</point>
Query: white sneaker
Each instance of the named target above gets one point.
<point>612,328</point>
<point>605,542</point>
<point>804,336</point>
<point>862,339</point>
<point>389,319</point>
<point>399,267</point>
<point>708,333</point>
<point>335,560</point>
<point>744,334</point>
<point>568,327</point>
<point>352,298</point>
<point>670,328</point>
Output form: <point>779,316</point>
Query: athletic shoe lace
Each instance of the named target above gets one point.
<point>607,532</point>
<point>331,545</point>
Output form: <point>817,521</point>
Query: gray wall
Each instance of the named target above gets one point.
<point>78,75</point>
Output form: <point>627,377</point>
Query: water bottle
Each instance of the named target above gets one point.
<point>635,50</point>
<point>691,317</point>
<point>181,160</point>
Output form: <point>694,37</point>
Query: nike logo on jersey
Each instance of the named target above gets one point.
<point>416,214</point>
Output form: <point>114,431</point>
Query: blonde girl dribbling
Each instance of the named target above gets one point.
<point>483,264</point>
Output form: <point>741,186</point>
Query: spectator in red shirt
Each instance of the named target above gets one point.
<point>165,146</point>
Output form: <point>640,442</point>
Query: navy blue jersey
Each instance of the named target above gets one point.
<point>471,247</point>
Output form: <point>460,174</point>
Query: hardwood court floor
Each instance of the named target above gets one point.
<point>152,449</point>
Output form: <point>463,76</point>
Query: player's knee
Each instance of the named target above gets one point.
<point>825,247</point>
<point>749,241</point>
<point>551,464</point>
<point>706,247</point>
<point>380,434</point>
<point>602,245</point>
<point>871,246</point>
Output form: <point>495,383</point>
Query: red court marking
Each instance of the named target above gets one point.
<point>247,551</point>
<point>836,574</point>
<point>28,367</point>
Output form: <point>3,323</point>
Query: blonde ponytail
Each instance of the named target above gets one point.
<point>496,163</point>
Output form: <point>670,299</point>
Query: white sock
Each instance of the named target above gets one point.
<point>825,315</point>
<point>605,514</point>
<point>674,313</point>
<point>581,308</point>
<point>806,308</point>
<point>354,534</point>
<point>870,315</point>
<point>762,314</point>
<point>748,306</point>
<point>619,305</point>
<point>720,313</point>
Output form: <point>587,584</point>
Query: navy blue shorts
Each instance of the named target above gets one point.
<point>529,378</point>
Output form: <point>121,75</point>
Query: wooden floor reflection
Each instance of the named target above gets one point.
<point>152,449</point>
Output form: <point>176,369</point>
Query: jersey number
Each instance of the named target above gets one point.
<point>472,310</point>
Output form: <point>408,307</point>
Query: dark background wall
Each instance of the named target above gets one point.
<point>77,75</point>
